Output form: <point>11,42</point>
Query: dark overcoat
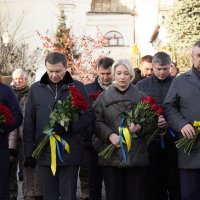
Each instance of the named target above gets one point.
<point>40,103</point>
<point>182,106</point>
<point>8,98</point>
<point>109,107</point>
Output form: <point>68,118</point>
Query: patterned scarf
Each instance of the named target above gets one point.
<point>104,87</point>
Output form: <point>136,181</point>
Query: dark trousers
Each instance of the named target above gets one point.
<point>163,181</point>
<point>124,183</point>
<point>4,174</point>
<point>62,186</point>
<point>95,175</point>
<point>190,184</point>
<point>84,181</point>
<point>13,179</point>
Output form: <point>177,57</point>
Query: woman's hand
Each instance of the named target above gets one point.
<point>162,122</point>
<point>114,138</point>
<point>133,128</point>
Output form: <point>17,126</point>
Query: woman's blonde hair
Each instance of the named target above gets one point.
<point>127,63</point>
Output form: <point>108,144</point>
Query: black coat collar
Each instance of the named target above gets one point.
<point>67,80</point>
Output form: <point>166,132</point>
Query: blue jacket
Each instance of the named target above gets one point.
<point>8,98</point>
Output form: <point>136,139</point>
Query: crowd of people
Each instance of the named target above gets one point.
<point>134,169</point>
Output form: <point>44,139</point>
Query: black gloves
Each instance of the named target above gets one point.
<point>30,162</point>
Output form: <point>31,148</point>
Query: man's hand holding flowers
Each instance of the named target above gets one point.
<point>190,134</point>
<point>188,131</point>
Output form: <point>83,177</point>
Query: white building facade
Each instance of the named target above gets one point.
<point>130,22</point>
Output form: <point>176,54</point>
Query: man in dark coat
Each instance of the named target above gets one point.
<point>42,99</point>
<point>162,177</point>
<point>7,98</point>
<point>146,69</point>
<point>100,84</point>
<point>181,110</point>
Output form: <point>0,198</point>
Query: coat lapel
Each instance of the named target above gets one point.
<point>192,77</point>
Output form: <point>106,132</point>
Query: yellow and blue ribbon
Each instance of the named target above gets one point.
<point>124,137</point>
<point>54,146</point>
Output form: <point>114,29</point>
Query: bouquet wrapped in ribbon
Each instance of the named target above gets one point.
<point>63,114</point>
<point>187,143</point>
<point>5,115</point>
<point>141,113</point>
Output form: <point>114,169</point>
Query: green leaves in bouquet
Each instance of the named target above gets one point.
<point>140,114</point>
<point>59,115</point>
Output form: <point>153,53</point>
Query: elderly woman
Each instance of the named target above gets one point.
<point>124,179</point>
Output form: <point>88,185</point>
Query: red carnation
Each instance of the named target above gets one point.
<point>159,111</point>
<point>154,107</point>
<point>94,96</point>
<point>148,99</point>
<point>77,98</point>
<point>6,115</point>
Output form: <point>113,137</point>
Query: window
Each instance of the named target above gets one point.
<point>114,38</point>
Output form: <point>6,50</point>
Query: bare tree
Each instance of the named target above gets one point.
<point>14,51</point>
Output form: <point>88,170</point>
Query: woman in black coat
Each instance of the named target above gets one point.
<point>124,179</point>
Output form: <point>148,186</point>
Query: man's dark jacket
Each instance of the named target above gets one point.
<point>91,88</point>
<point>155,87</point>
<point>40,103</point>
<point>138,76</point>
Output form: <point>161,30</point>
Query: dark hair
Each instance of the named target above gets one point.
<point>161,58</point>
<point>147,58</point>
<point>197,44</point>
<point>105,62</point>
<point>56,57</point>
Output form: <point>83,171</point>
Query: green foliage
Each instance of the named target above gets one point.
<point>184,23</point>
<point>141,113</point>
<point>63,38</point>
<point>183,27</point>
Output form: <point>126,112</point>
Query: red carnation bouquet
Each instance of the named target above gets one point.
<point>65,112</point>
<point>94,96</point>
<point>143,113</point>
<point>5,115</point>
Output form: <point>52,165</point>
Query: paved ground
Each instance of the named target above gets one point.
<point>79,197</point>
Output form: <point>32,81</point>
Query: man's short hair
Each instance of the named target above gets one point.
<point>105,62</point>
<point>161,58</point>
<point>55,58</point>
<point>147,58</point>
